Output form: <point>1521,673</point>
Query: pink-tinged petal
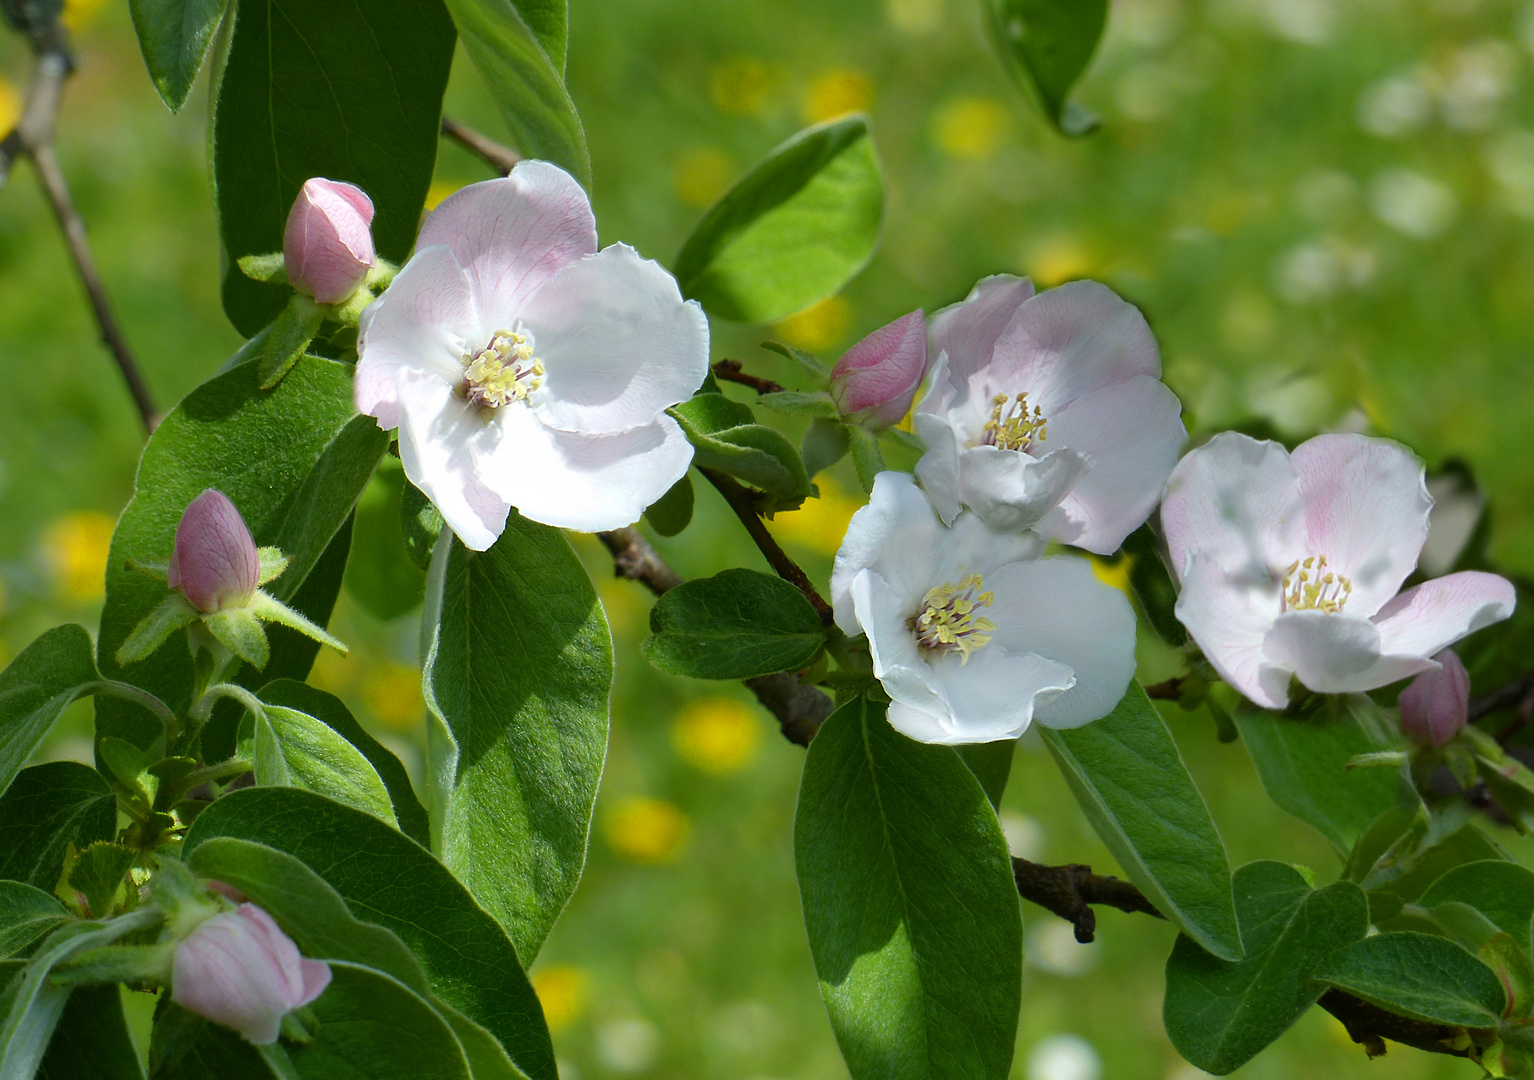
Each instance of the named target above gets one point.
<point>424,322</point>
<point>1067,342</point>
<point>875,381</point>
<point>881,612</point>
<point>1366,510</point>
<point>1336,653</point>
<point>1131,433</point>
<point>997,694</point>
<point>1237,500</point>
<point>970,546</point>
<point>618,342</point>
<point>1434,615</point>
<point>898,535</point>
<point>239,969</point>
<point>967,331</point>
<point>1435,706</point>
<point>1229,618</point>
<point>1057,608</point>
<point>316,977</point>
<point>440,440</point>
<point>512,234</point>
<point>327,246</point>
<point>215,561</point>
<point>938,469</point>
<point>1012,490</point>
<point>583,482</point>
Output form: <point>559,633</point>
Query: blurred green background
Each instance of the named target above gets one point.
<point>1324,207</point>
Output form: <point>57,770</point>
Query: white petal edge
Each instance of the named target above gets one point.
<point>1011,490</point>
<point>967,331</point>
<point>1434,615</point>
<point>439,439</point>
<point>898,535</point>
<point>897,662</point>
<point>938,469</point>
<point>1337,653</point>
<point>997,694</point>
<point>1229,618</point>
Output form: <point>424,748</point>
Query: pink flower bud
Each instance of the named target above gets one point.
<point>1436,704</point>
<point>875,380</point>
<point>215,561</point>
<point>326,246</point>
<point>239,969</point>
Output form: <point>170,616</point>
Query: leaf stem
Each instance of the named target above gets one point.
<point>204,708</point>
<point>500,158</point>
<point>129,692</point>
<point>741,502</point>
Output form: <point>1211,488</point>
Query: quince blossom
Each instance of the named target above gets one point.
<point>1046,412</point>
<point>972,635</point>
<point>1291,565</point>
<point>524,368</point>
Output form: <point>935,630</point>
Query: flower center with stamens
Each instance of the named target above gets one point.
<point>1309,586</point>
<point>948,621</point>
<point>1012,426</point>
<point>503,371</point>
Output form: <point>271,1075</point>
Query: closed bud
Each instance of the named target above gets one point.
<point>327,247</point>
<point>1436,704</point>
<point>239,969</point>
<point>215,563</point>
<point>875,381</point>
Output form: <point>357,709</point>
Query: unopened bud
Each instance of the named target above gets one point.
<point>327,247</point>
<point>875,381</point>
<point>215,562</point>
<point>1436,704</point>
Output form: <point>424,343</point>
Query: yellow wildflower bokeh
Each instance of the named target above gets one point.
<point>819,524</point>
<point>393,692</point>
<point>837,93</point>
<point>740,86</point>
<point>716,735</point>
<point>10,106</point>
<point>701,175</point>
<point>563,991</point>
<point>75,549</point>
<point>970,128</point>
<point>439,190</point>
<point>78,13</point>
<point>645,830</point>
<point>1114,574</point>
<point>818,326</point>
<point>1059,259</point>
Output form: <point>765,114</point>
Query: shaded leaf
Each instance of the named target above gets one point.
<point>92,1039</point>
<point>421,522</point>
<point>97,875</point>
<point>1502,891</point>
<point>47,808</point>
<point>1046,45</point>
<point>36,688</point>
<point>672,512</point>
<point>175,36</point>
<point>735,625</point>
<point>380,572</point>
<point>1419,976</point>
<point>26,914</point>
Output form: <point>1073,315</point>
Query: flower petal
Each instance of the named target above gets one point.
<point>897,535</point>
<point>423,322</point>
<point>898,664</point>
<point>967,331</point>
<point>1366,510</point>
<point>1131,433</point>
<point>1012,490</point>
<point>938,469</point>
<point>997,694</point>
<point>440,440</point>
<point>1229,617</point>
<point>1057,608</point>
<point>1426,619</point>
<point>514,233</point>
<point>619,343</point>
<point>316,976</point>
<point>1337,653</point>
<point>1237,500</point>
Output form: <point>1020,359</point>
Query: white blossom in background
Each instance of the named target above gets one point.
<point>1047,413</point>
<point>1412,203</point>
<point>1064,1057</point>
<point>524,368</point>
<point>1291,565</point>
<point>972,635</point>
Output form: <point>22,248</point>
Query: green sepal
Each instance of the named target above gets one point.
<point>866,457</point>
<point>809,365</point>
<point>174,612</point>
<point>97,875</point>
<point>157,570</point>
<point>273,267</point>
<point>825,443</point>
<point>794,403</point>
<point>130,766</point>
<point>906,440</point>
<point>146,965</point>
<point>239,630</point>
<point>292,331</point>
<point>269,609</point>
<point>273,563</point>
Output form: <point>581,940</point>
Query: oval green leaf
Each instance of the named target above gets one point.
<point>734,625</point>
<point>1419,976</point>
<point>175,36</point>
<point>1046,45</point>
<point>292,749</point>
<point>92,1039</point>
<point>26,914</point>
<point>36,688</point>
<point>47,808</point>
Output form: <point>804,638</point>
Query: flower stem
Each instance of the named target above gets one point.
<point>128,692</point>
<point>740,501</point>
<point>204,708</point>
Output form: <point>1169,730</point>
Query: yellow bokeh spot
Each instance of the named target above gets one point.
<point>717,735</point>
<point>915,16</point>
<point>10,106</point>
<point>625,611</point>
<point>333,672</point>
<point>393,692</point>
<point>1059,259</point>
<point>837,93</point>
<point>740,86</point>
<point>78,13</point>
<point>439,190</point>
<point>701,175</point>
<point>647,830</point>
<point>563,991</point>
<point>1114,574</point>
<point>818,326</point>
<point>819,524</point>
<point>970,127</point>
<point>75,548</point>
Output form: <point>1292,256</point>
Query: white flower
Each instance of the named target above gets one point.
<point>972,635</point>
<point>1292,564</point>
<point>1047,413</point>
<point>526,369</point>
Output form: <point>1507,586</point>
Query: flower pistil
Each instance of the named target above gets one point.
<point>1012,426</point>
<point>1310,586</point>
<point>504,371</point>
<point>949,621</point>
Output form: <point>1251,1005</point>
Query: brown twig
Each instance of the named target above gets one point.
<point>635,559</point>
<point>33,138</point>
<point>1517,694</point>
<point>1069,891</point>
<point>741,502</point>
<point>498,157</point>
<point>1369,1025</point>
<point>732,371</point>
<point>1166,690</point>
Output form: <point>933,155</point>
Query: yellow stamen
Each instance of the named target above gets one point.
<point>948,620</point>
<point>504,371</point>
<point>1011,426</point>
<point>1309,586</point>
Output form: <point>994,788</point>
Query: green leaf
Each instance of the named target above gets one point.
<point>1128,776</point>
<point>866,456</point>
<point>421,522</point>
<point>291,749</point>
<point>352,92</point>
<point>1220,1013</point>
<point>332,712</point>
<point>548,20</point>
<point>390,880</point>
<point>381,575</point>
<point>912,911</point>
<point>292,459</point>
<point>793,403</point>
<point>792,231</point>
<point>734,625</point>
<point>672,512</point>
<point>1509,961</point>
<point>1303,767</point>
<point>184,1046</point>
<point>292,331</point>
<point>526,85</point>
<point>810,366</point>
<point>825,443</point>
<point>517,677</point>
<point>26,914</point>
<point>175,36</point>
<point>37,687</point>
<point>1502,891</point>
<point>92,1039</point>
<point>47,808</point>
<point>1419,976</point>
<point>98,875</point>
<point>1046,45</point>
<point>992,765</point>
<point>1153,585</point>
<point>755,453</point>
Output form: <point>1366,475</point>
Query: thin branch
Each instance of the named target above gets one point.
<point>1069,891</point>
<point>1518,694</point>
<point>500,158</point>
<point>1166,690</point>
<point>741,502</point>
<point>1369,1025</point>
<point>635,559</point>
<point>732,371</point>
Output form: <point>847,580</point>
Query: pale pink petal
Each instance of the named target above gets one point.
<point>1229,619</point>
<point>1435,705</point>
<point>997,694</point>
<point>425,321</point>
<point>618,343</point>
<point>1336,653</point>
<point>1434,615</point>
<point>215,561</point>
<point>938,469</point>
<point>970,546</point>
<point>326,245</point>
<point>1238,501</point>
<point>441,438</point>
<point>1366,510</point>
<point>967,331</point>
<point>876,380</point>
<point>316,976</point>
<point>1131,433</point>
<point>1012,490</point>
<point>513,234</point>
<point>880,610</point>
<point>898,535</point>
